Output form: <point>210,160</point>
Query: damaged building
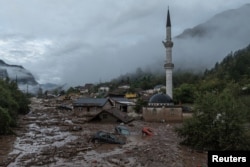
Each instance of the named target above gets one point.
<point>102,109</point>
<point>91,106</point>
<point>111,115</point>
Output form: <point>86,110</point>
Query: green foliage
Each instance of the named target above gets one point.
<point>12,103</point>
<point>140,79</point>
<point>217,123</point>
<point>188,77</point>
<point>8,102</point>
<point>185,93</point>
<point>5,120</point>
<point>211,85</point>
<point>22,101</point>
<point>71,90</point>
<point>140,103</point>
<point>148,80</point>
<point>234,67</point>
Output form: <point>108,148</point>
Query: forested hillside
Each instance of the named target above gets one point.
<point>234,67</point>
<point>12,103</point>
<point>221,106</point>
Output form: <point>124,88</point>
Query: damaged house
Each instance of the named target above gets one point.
<point>91,106</point>
<point>123,104</point>
<point>99,109</point>
<point>112,115</point>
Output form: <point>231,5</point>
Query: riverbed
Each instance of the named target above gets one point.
<point>51,137</point>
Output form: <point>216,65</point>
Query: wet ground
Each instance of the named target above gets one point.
<point>50,137</point>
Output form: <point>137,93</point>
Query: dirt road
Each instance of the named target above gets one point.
<point>50,137</point>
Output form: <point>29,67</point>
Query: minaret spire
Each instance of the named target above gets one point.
<point>169,66</point>
<point>168,19</point>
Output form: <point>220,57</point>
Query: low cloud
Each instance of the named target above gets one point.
<point>77,42</point>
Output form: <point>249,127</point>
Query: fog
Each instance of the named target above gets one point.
<point>219,36</point>
<point>83,41</point>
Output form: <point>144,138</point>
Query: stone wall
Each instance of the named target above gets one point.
<point>161,114</point>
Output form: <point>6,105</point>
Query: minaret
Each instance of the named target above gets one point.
<point>169,66</point>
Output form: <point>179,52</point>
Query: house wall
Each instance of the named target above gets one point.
<point>120,107</point>
<point>105,117</point>
<point>87,109</point>
<point>90,110</point>
<point>159,114</point>
<point>107,106</point>
<point>128,108</point>
<point>103,89</point>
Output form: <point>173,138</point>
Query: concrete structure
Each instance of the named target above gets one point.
<point>160,106</point>
<point>123,104</point>
<point>159,88</point>
<point>103,89</point>
<point>111,115</point>
<point>91,106</point>
<point>162,109</point>
<point>169,66</point>
<point>170,114</point>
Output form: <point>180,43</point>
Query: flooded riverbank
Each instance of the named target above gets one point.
<point>50,137</point>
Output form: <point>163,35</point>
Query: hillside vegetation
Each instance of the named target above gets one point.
<point>12,103</point>
<point>235,67</point>
<point>221,106</point>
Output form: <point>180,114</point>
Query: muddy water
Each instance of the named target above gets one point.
<point>50,137</point>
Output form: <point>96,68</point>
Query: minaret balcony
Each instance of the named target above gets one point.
<point>169,66</point>
<point>168,44</point>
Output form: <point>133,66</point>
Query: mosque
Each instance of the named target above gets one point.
<point>160,106</point>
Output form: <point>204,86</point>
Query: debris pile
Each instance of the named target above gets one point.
<point>48,136</point>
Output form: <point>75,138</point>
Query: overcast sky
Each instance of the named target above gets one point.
<point>83,41</point>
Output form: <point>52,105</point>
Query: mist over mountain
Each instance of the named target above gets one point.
<point>202,46</point>
<point>25,79</point>
<point>17,73</point>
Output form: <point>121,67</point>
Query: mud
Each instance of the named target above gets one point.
<point>50,137</point>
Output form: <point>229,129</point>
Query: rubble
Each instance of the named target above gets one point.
<point>51,137</point>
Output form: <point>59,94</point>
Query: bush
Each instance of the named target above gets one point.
<point>12,103</point>
<point>4,121</point>
<point>217,124</point>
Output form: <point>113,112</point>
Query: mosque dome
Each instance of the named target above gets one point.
<point>160,99</point>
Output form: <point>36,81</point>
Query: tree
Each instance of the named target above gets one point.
<point>12,103</point>
<point>5,121</point>
<point>9,103</point>
<point>217,123</point>
<point>140,103</point>
<point>185,93</point>
<point>22,101</point>
<point>71,90</point>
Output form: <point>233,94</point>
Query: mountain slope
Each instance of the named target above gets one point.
<point>235,66</point>
<point>205,44</point>
<point>16,72</point>
<point>231,22</point>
